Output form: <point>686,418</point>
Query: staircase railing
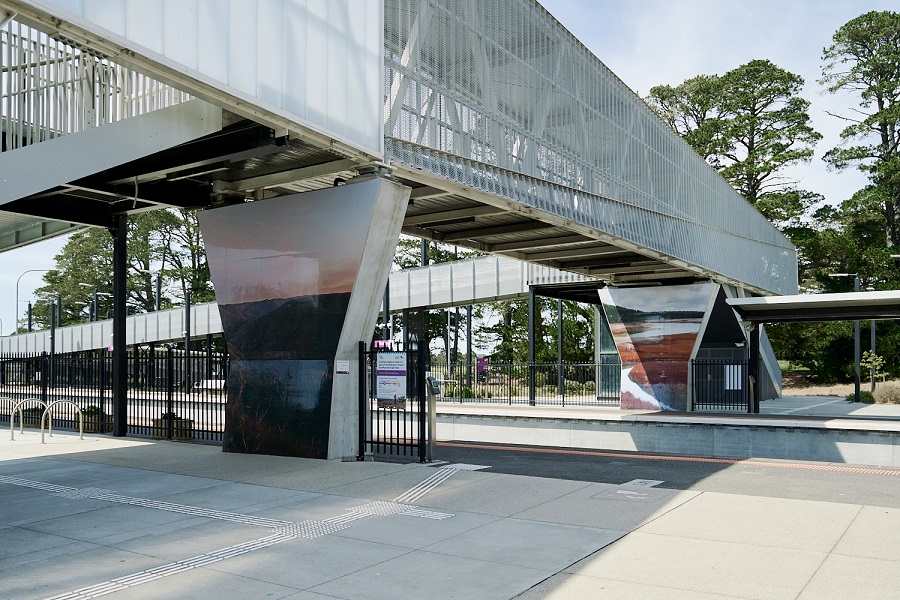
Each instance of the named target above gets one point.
<point>50,88</point>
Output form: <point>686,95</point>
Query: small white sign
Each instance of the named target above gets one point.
<point>342,367</point>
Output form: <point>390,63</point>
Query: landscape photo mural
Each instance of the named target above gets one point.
<point>655,329</point>
<point>283,271</point>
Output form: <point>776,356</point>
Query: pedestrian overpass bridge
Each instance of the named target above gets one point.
<point>313,133</point>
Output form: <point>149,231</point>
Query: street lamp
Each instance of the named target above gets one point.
<point>855,277</point>
<point>87,304</point>
<point>17,291</point>
<point>97,294</point>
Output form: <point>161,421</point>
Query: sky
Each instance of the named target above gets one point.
<point>645,43</point>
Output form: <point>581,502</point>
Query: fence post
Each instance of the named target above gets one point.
<point>561,377</point>
<point>44,377</point>
<point>170,393</point>
<point>101,380</point>
<point>361,379</point>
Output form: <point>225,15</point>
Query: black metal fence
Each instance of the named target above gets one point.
<point>565,384</point>
<point>721,384</point>
<point>392,403</point>
<point>169,395</point>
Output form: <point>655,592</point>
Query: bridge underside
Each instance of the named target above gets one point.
<point>583,180</point>
<point>444,211</point>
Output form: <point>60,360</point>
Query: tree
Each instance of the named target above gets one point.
<point>749,124</point>
<point>848,238</point>
<point>85,259</point>
<point>166,242</point>
<point>183,256</point>
<point>408,254</point>
<point>865,59</point>
<point>691,110</point>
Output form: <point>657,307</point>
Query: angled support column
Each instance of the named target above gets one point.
<point>655,330</point>
<point>299,282</point>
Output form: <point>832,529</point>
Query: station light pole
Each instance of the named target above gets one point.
<point>16,325</point>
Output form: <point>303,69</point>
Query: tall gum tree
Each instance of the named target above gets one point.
<point>749,124</point>
<point>865,59</point>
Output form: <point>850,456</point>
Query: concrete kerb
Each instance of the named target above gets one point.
<point>841,440</point>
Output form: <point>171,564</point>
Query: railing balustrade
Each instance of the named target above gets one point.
<point>49,88</point>
<point>566,384</point>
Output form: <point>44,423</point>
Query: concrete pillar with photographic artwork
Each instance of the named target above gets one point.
<point>299,281</point>
<point>656,331</point>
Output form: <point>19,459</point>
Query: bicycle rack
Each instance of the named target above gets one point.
<point>49,414</point>
<point>18,408</point>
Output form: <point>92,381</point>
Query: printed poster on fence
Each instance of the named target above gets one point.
<point>390,376</point>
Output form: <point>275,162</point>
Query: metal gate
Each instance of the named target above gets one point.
<point>392,402</point>
<point>721,385</point>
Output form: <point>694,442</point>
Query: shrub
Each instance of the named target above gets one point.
<point>887,393</point>
<point>590,386</point>
<point>865,397</point>
<point>465,392</point>
<point>574,388</point>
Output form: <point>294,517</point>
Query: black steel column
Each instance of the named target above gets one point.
<point>187,341</point>
<point>447,339</point>
<point>30,317</point>
<point>209,365</point>
<point>50,372</point>
<point>469,345</point>
<point>753,369</point>
<point>405,325</point>
<point>872,346</point>
<point>422,395</point>
<point>559,350</point>
<point>120,360</point>
<point>386,318</point>
<point>856,346</point>
<point>531,382</point>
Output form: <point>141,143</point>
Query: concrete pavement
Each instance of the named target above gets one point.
<point>142,519</point>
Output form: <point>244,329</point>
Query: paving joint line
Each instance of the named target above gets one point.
<point>282,531</point>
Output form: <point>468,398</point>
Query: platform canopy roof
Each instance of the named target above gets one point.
<point>819,307</point>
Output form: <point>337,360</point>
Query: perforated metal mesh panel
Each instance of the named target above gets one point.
<point>497,95</point>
